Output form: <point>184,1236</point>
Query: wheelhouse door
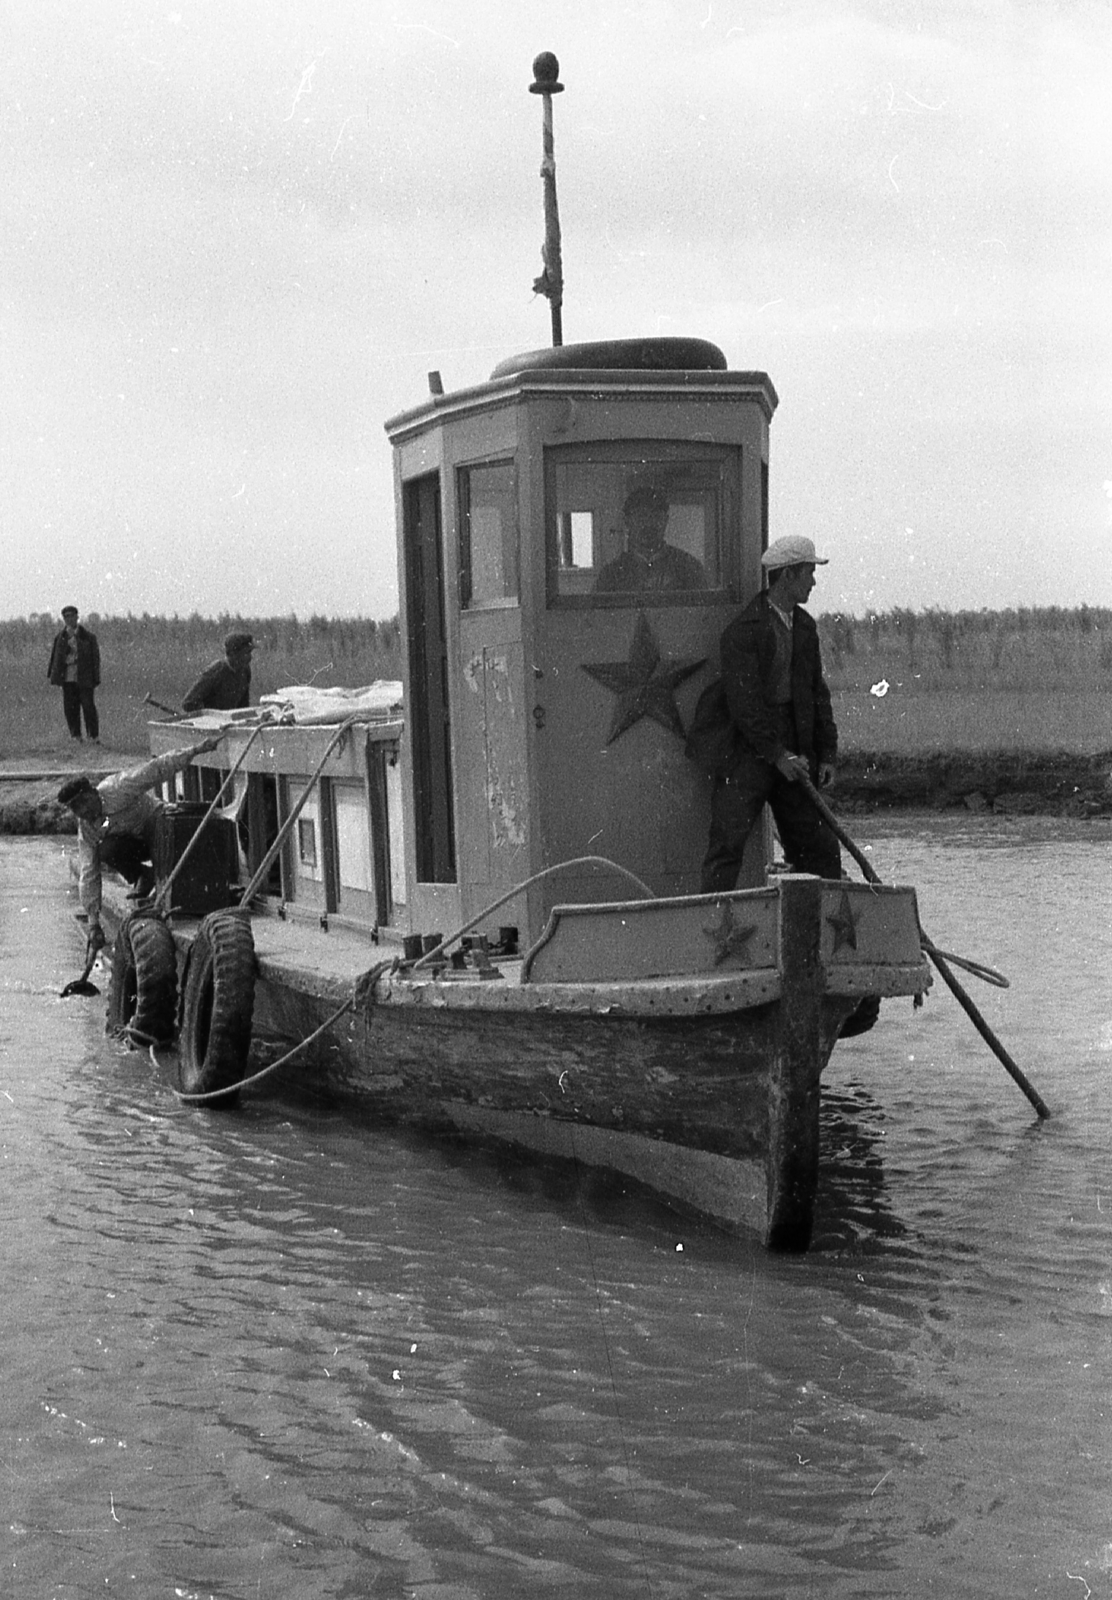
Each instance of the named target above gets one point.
<point>428,709</point>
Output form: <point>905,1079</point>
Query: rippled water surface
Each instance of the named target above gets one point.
<point>282,1353</point>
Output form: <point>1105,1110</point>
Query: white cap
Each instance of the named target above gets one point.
<point>793,550</point>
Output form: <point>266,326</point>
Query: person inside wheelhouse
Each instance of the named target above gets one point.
<point>641,530</point>
<point>649,564</point>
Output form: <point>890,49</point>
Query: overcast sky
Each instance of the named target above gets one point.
<point>238,234</point>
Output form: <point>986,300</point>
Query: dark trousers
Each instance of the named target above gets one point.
<point>75,700</point>
<point>735,806</point>
<point>130,856</point>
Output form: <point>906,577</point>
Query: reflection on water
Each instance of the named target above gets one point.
<point>281,1352</point>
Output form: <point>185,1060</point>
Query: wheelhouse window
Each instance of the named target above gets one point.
<point>640,523</point>
<point>488,535</point>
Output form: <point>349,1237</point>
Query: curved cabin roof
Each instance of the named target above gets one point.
<point>689,366</point>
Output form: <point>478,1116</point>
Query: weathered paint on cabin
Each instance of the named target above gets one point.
<point>546,713</point>
<point>344,858</point>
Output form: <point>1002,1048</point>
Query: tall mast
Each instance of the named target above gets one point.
<point>546,73</point>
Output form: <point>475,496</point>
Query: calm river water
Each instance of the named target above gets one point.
<point>278,1353</point>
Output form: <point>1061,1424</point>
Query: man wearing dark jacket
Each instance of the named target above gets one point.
<point>226,684</point>
<point>780,709</point>
<point>75,669</point>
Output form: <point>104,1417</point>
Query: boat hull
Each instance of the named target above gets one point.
<point>685,1106</point>
<point>701,1083</point>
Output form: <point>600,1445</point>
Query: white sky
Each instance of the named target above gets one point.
<point>237,234</point>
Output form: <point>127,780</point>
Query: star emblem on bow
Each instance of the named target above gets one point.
<point>645,685</point>
<point>727,935</point>
<point>844,924</point>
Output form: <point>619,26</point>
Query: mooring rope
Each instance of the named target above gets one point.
<point>977,968</point>
<point>363,994</point>
<point>527,883</point>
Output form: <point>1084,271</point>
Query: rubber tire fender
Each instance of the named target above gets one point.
<point>218,1006</point>
<point>143,992</point>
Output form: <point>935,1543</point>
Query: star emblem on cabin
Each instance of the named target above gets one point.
<point>645,685</point>
<point>844,925</point>
<point>728,936</point>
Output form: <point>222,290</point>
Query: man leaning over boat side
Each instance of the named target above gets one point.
<point>225,685</point>
<point>779,707</point>
<point>116,823</point>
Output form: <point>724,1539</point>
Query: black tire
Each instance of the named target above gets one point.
<point>862,1017</point>
<point>218,1007</point>
<point>143,996</point>
<point>619,355</point>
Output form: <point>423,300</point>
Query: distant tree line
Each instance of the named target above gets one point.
<point>1030,647</point>
<point>1037,647</point>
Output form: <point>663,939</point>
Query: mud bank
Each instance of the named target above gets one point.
<point>1016,783</point>
<point>30,807</point>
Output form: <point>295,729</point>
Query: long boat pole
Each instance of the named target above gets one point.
<point>956,988</point>
<point>546,75</point>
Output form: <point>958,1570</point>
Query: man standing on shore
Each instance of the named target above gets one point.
<point>75,669</point>
<point>780,709</point>
<point>116,824</point>
<point>225,685</point>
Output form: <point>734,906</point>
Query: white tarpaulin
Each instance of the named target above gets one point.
<point>380,701</point>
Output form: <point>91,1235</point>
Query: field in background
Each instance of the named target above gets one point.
<point>911,682</point>
<point>162,656</point>
<point>903,681</point>
<point>1037,649</point>
<point>986,720</point>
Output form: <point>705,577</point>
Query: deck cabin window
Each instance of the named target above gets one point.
<point>489,567</point>
<point>355,867</point>
<point>395,831</point>
<point>258,825</point>
<point>307,841</point>
<point>210,780</point>
<point>646,522</point>
<point>310,851</point>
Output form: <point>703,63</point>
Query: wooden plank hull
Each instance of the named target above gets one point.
<point>701,1084</point>
<point>681,1105</point>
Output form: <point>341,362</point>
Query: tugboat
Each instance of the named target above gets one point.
<point>487,876</point>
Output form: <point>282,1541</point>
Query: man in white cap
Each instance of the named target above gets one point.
<point>783,724</point>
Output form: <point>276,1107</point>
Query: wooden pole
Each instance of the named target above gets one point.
<point>792,1160</point>
<point>546,73</point>
<point>948,978</point>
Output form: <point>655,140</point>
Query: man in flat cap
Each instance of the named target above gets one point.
<point>75,668</point>
<point>779,706</point>
<point>225,685</point>
<point>116,823</point>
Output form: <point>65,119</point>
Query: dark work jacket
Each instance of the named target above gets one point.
<point>88,659</point>
<point>220,688</point>
<point>748,653</point>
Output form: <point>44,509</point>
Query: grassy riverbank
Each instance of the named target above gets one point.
<point>1005,711</point>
